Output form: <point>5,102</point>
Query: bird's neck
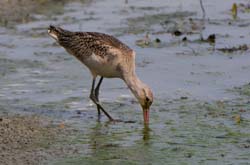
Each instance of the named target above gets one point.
<point>135,84</point>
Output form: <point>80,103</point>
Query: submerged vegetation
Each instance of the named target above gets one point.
<point>243,90</point>
<point>22,11</point>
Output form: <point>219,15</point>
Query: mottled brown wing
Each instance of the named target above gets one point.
<point>101,41</point>
<point>109,40</point>
<point>83,44</point>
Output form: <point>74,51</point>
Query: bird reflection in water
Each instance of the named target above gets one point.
<point>146,133</point>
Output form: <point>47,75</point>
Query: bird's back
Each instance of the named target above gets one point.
<point>103,54</point>
<point>104,39</point>
<point>86,43</point>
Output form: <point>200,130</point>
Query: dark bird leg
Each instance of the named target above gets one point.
<point>97,95</point>
<point>94,99</point>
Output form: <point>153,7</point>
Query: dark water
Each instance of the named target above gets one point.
<point>194,116</point>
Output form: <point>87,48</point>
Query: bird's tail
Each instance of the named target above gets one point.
<point>59,32</point>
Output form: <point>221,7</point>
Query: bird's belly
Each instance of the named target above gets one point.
<point>107,71</point>
<point>102,67</point>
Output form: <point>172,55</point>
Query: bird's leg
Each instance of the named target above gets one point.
<point>93,98</point>
<point>97,95</point>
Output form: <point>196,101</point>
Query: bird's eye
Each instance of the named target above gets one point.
<point>147,99</point>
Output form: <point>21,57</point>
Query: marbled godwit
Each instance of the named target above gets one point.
<point>105,56</point>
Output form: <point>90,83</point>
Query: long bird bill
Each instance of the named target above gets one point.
<point>146,115</point>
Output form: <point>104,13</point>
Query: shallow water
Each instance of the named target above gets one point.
<point>193,118</point>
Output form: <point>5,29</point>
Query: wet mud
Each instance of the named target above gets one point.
<point>32,140</point>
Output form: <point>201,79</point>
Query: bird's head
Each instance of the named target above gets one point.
<point>142,92</point>
<point>55,32</point>
<point>145,98</point>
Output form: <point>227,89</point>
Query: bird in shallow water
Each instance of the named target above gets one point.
<point>105,56</point>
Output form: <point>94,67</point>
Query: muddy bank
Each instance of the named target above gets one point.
<point>31,140</point>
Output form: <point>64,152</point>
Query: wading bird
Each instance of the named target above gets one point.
<point>105,56</point>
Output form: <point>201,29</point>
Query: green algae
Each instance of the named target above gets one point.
<point>243,90</point>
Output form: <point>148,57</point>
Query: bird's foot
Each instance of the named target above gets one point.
<point>99,118</point>
<point>115,120</point>
<point>121,121</point>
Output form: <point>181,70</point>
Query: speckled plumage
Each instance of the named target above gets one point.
<point>85,43</point>
<point>95,49</point>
